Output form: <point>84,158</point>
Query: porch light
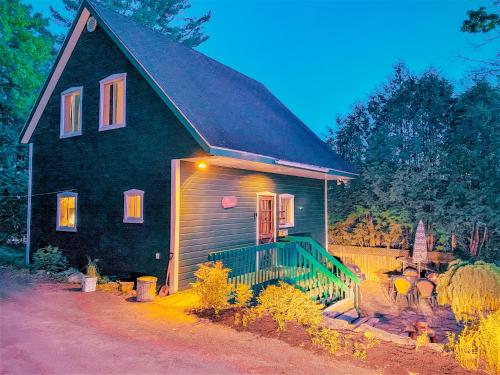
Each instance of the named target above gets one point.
<point>201,165</point>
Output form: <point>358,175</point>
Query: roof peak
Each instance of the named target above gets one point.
<point>169,39</point>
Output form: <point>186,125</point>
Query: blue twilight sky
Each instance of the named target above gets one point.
<point>319,57</point>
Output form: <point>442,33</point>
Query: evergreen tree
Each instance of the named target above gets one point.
<point>423,153</point>
<point>164,16</point>
<point>471,169</point>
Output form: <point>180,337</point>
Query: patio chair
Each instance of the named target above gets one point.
<point>425,289</point>
<point>410,272</point>
<point>403,288</point>
<point>433,277</point>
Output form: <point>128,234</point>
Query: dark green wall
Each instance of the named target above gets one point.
<point>206,226</point>
<point>100,166</point>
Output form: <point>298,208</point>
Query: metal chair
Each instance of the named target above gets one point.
<point>425,289</point>
<point>433,276</point>
<point>403,288</point>
<point>411,272</point>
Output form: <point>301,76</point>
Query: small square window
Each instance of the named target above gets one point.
<point>286,211</point>
<point>133,206</point>
<point>112,103</point>
<point>71,112</point>
<point>67,203</point>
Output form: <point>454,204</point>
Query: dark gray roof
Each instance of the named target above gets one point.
<point>227,108</point>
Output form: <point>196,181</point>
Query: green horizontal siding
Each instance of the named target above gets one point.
<point>205,226</point>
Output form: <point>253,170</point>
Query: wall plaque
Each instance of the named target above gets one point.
<point>229,202</point>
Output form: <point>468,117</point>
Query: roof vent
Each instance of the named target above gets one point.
<point>91,24</point>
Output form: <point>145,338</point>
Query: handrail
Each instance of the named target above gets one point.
<point>325,271</point>
<point>327,255</point>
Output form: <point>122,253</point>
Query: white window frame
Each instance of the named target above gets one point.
<point>292,198</point>
<point>63,228</point>
<point>126,218</point>
<point>71,90</point>
<point>112,78</point>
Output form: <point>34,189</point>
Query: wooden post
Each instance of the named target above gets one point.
<point>28,218</point>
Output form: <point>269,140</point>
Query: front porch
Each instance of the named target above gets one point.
<point>300,261</point>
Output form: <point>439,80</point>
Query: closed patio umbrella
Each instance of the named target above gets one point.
<point>420,246</point>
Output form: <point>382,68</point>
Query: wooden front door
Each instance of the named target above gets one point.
<point>266,219</point>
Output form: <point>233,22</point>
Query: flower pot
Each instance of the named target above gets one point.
<point>89,284</point>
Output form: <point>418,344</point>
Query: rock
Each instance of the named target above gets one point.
<point>336,324</point>
<point>338,308</point>
<point>76,278</point>
<point>385,336</point>
<point>436,346</point>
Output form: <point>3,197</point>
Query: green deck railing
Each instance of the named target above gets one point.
<point>349,278</point>
<point>259,266</point>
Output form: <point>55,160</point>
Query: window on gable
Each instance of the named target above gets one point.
<point>286,211</point>
<point>66,211</point>
<point>133,206</point>
<point>71,112</point>
<point>113,98</point>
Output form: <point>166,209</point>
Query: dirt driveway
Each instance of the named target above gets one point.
<point>51,328</point>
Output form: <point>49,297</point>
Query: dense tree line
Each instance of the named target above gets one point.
<point>423,152</point>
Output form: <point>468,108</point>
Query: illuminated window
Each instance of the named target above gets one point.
<point>66,211</point>
<point>286,212</point>
<point>133,206</point>
<point>113,98</point>
<point>71,112</point>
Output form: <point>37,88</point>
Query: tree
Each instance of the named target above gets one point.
<point>163,16</point>
<point>480,21</point>
<point>27,52</point>
<point>472,157</point>
<point>483,21</point>
<point>423,153</point>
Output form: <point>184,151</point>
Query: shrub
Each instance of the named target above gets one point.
<point>284,303</point>
<point>50,259</point>
<point>478,342</point>
<point>326,338</point>
<point>471,290</point>
<point>212,287</point>
<point>422,340</point>
<point>371,227</point>
<point>372,341</point>
<point>359,351</point>
<point>242,295</point>
<point>103,279</point>
<point>12,256</point>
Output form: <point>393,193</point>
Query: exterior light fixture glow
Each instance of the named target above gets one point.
<point>201,165</point>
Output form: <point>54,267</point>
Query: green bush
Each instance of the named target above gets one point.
<point>285,303</point>
<point>50,259</point>
<point>472,290</point>
<point>478,344</point>
<point>10,256</point>
<point>242,295</point>
<point>212,287</point>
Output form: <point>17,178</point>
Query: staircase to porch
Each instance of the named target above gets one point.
<point>300,261</point>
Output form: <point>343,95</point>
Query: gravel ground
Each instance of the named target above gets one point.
<point>53,328</point>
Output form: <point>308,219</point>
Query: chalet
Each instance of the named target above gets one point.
<point>145,153</point>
